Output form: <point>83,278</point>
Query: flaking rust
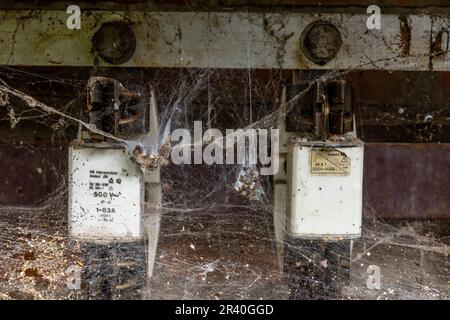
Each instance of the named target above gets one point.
<point>405,34</point>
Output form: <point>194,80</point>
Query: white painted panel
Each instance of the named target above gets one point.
<point>105,190</point>
<point>322,206</point>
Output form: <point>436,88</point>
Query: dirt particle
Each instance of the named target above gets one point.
<point>31,272</point>
<point>29,255</point>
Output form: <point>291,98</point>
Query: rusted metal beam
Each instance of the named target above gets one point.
<point>401,181</point>
<point>407,180</point>
<point>226,40</point>
<point>225,4</point>
<point>29,174</point>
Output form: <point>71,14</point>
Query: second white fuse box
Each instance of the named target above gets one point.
<point>325,189</point>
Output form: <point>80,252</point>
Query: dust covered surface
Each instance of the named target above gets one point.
<point>214,242</point>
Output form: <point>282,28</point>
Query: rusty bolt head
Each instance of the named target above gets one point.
<point>114,42</point>
<point>320,42</point>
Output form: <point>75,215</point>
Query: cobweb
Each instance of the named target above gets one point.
<point>214,242</point>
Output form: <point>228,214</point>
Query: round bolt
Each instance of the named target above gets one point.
<point>114,42</point>
<point>320,42</point>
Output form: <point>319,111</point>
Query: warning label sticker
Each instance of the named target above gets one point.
<point>329,161</point>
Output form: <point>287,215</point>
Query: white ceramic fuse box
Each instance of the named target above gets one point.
<point>105,192</point>
<point>325,189</point>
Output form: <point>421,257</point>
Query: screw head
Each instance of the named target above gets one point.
<point>320,42</point>
<point>114,42</point>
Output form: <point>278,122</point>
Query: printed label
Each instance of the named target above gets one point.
<point>329,161</point>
